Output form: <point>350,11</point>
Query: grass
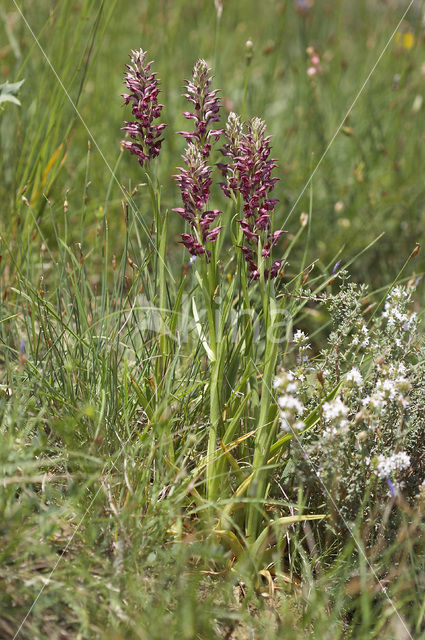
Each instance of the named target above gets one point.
<point>110,524</point>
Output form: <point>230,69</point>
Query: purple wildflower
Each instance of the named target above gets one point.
<point>194,182</point>
<point>249,174</point>
<point>206,108</point>
<point>336,266</point>
<point>393,491</point>
<point>145,137</point>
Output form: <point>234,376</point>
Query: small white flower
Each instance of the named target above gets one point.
<point>334,410</point>
<point>277,382</point>
<point>402,369</point>
<point>395,314</point>
<point>292,387</point>
<point>289,403</point>
<point>298,425</point>
<point>299,337</point>
<point>329,433</point>
<point>355,377</point>
<point>396,463</point>
<point>300,340</point>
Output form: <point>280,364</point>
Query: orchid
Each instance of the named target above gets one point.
<point>195,180</point>
<point>145,137</point>
<point>249,174</point>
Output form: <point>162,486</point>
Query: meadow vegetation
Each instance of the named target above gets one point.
<point>212,362</point>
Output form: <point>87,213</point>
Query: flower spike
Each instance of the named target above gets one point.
<point>249,174</point>
<point>145,137</point>
<point>206,108</point>
<point>194,180</point>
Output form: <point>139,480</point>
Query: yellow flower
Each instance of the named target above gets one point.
<point>406,39</point>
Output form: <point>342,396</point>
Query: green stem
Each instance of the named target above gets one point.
<point>265,431</point>
<point>161,363</point>
<point>208,276</point>
<point>248,327</point>
<point>215,418</point>
<point>161,223</point>
<point>247,322</point>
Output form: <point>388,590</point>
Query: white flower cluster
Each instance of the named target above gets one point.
<point>421,488</point>
<point>391,387</point>
<point>393,464</point>
<point>335,415</point>
<point>300,340</point>
<point>395,313</point>
<point>290,405</point>
<point>300,337</point>
<point>354,377</point>
<point>361,338</point>
<point>335,410</point>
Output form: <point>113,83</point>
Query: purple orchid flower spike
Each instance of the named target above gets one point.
<point>194,180</point>
<point>206,108</point>
<point>249,174</point>
<point>145,137</point>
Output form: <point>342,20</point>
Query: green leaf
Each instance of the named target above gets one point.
<point>256,550</point>
<point>199,329</point>
<point>231,540</point>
